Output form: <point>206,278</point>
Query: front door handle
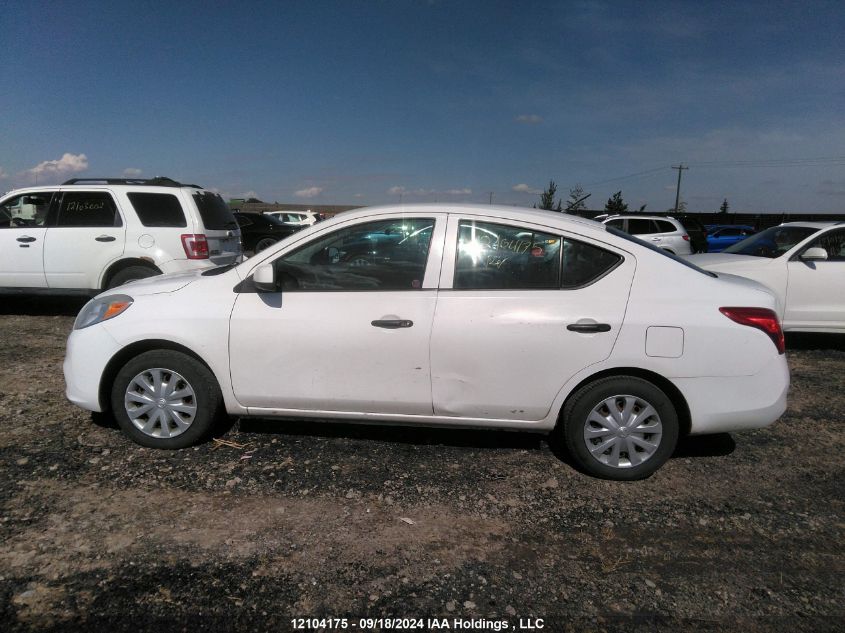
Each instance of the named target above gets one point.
<point>105,238</point>
<point>392,324</point>
<point>587,328</point>
<point>26,238</point>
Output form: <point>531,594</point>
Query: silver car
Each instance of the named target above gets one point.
<point>661,231</point>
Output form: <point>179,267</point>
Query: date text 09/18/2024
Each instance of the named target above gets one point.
<point>418,624</point>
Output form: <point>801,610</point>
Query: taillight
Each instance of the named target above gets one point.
<point>761,318</point>
<point>195,245</point>
<point>686,237</point>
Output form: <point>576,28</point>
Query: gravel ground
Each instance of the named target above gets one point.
<point>317,520</point>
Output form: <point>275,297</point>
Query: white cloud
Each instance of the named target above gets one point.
<point>250,194</point>
<point>523,188</point>
<point>132,172</point>
<point>310,192</point>
<point>529,119</point>
<point>3,173</point>
<point>396,191</point>
<point>67,164</point>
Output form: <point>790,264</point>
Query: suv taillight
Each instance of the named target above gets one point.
<point>195,245</point>
<point>685,236</point>
<point>761,318</point>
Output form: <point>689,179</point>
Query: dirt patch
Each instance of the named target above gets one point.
<point>317,519</point>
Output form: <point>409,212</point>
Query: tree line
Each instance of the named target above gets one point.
<point>614,205</point>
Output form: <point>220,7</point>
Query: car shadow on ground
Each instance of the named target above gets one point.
<point>815,341</point>
<point>47,305</point>
<point>692,446</point>
<point>474,438</point>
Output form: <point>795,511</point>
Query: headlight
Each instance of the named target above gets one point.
<point>102,309</point>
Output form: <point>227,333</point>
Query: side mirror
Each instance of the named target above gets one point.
<point>264,278</point>
<point>816,253</point>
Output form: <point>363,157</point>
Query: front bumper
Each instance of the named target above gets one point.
<point>88,353</point>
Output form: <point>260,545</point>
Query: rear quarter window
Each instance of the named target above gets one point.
<point>215,214</point>
<point>584,263</point>
<point>640,226</point>
<point>158,209</point>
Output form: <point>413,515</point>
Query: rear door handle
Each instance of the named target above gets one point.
<point>391,324</point>
<point>26,238</point>
<point>105,238</point>
<point>586,328</point>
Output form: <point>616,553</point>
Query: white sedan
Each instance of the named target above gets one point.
<point>446,315</point>
<point>802,263</point>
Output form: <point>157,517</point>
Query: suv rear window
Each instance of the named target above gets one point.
<point>215,214</point>
<point>158,209</point>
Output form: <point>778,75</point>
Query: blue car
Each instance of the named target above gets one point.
<point>720,236</point>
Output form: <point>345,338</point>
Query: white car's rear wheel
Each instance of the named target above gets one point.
<point>620,427</point>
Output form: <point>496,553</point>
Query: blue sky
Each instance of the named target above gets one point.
<point>360,102</point>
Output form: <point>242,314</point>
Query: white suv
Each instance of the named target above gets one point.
<point>296,218</point>
<point>664,232</point>
<point>94,234</point>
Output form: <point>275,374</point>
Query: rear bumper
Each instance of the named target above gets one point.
<point>719,405</point>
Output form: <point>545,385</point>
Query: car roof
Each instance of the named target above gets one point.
<point>812,225</point>
<point>502,212</point>
<point>639,216</point>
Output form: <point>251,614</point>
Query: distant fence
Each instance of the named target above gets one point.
<point>759,221</point>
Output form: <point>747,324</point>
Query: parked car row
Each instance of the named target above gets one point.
<point>447,315</point>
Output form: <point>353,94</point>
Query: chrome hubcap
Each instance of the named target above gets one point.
<point>623,431</point>
<point>160,403</point>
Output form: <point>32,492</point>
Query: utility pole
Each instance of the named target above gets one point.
<point>680,169</point>
<point>491,197</point>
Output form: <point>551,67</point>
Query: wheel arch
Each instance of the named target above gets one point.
<point>123,264</point>
<point>131,351</point>
<point>666,385</point>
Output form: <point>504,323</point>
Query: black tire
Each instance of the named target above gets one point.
<point>174,366</point>
<point>575,420</point>
<point>264,242</point>
<point>130,273</point>
<point>359,259</point>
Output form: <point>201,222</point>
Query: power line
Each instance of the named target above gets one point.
<point>639,173</point>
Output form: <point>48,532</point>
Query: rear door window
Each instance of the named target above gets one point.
<point>88,208</point>
<point>640,226</point>
<point>215,214</point>
<point>500,257</point>
<point>158,209</point>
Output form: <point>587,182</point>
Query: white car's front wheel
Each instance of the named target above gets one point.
<point>165,399</point>
<point>620,427</point>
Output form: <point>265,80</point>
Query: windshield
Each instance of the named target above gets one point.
<point>772,242</point>
<point>651,247</point>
